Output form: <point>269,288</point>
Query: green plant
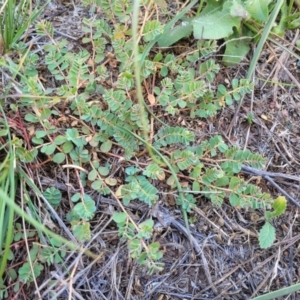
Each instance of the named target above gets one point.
<point>237,22</point>
<point>108,116</point>
<point>15,18</point>
<point>281,292</point>
<point>8,187</point>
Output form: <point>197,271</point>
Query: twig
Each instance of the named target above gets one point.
<point>267,175</point>
<point>257,172</point>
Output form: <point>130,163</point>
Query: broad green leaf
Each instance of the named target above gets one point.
<point>164,71</point>
<point>238,10</point>
<point>158,57</point>
<point>267,236</point>
<point>33,252</point>
<point>172,36</point>
<point>196,171</point>
<point>31,118</point>
<point>235,51</point>
<point>258,9</point>
<point>215,25</point>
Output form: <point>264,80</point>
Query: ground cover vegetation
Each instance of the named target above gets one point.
<point>119,118</point>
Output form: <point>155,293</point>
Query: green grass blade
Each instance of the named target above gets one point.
<point>7,183</point>
<point>264,37</point>
<point>279,293</point>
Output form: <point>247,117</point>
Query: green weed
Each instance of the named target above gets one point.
<point>110,113</point>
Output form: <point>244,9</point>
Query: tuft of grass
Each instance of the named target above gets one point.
<point>7,187</point>
<point>15,19</point>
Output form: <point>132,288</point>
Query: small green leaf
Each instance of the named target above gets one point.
<point>92,175</point>
<point>97,185</point>
<point>158,57</point>
<point>3,132</point>
<point>60,139</point>
<point>37,141</point>
<point>40,134</point>
<point>196,186</point>
<point>279,206</point>
<point>111,181</point>
<point>234,199</point>
<point>106,146</point>
<point>164,71</point>
<point>48,149</point>
<point>12,274</point>
<point>171,180</point>
<point>75,197</point>
<point>119,217</point>
<point>104,171</point>
<point>267,236</point>
<point>67,147</point>
<point>59,158</point>
<point>31,118</point>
